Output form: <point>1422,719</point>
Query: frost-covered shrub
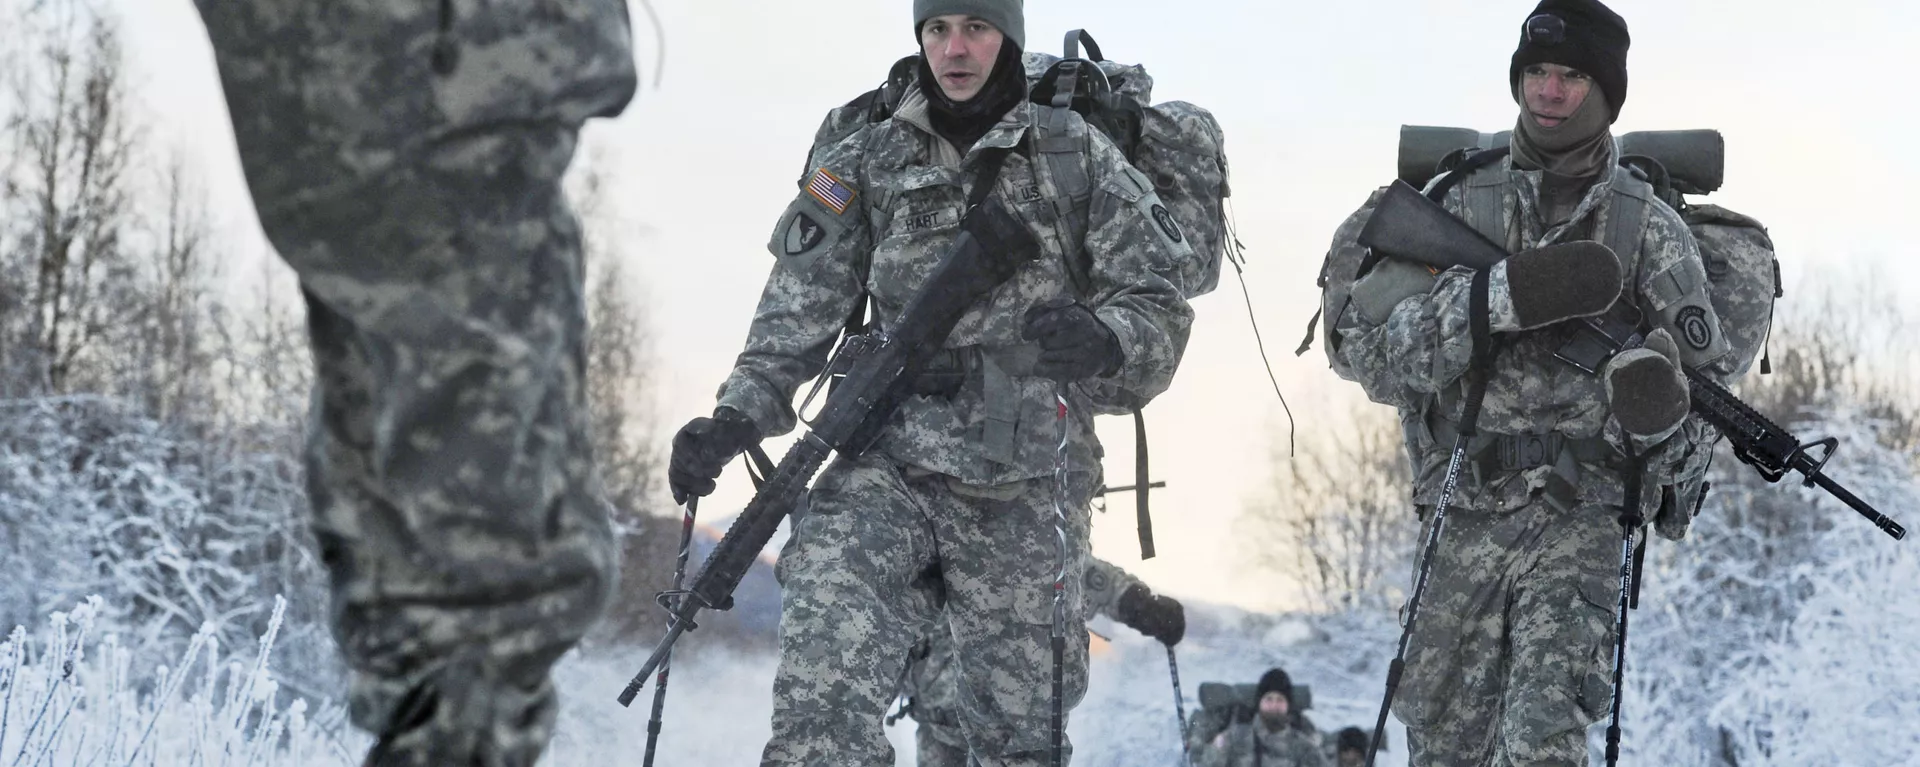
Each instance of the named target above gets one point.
<point>68,697</point>
<point>174,532</point>
<point>1785,630</point>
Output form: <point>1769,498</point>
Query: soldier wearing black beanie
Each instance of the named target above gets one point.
<point>1582,34</point>
<point>1510,660</point>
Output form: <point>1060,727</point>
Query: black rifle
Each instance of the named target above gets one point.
<point>1408,226</point>
<point>877,370</point>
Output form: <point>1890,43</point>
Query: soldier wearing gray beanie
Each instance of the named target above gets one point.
<point>1008,16</point>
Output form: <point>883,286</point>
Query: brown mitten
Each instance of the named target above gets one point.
<point>1556,283</point>
<point>1646,389</point>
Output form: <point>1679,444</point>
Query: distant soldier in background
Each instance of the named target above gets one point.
<point>405,159</point>
<point>1278,734</point>
<point>1350,748</point>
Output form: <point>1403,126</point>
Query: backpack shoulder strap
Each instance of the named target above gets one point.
<point>1627,218</point>
<point>1483,195</point>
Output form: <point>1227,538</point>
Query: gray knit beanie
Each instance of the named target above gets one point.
<point>1008,16</point>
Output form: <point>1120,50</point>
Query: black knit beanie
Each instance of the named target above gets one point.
<point>1275,680</point>
<point>1583,34</point>
<point>1008,16</point>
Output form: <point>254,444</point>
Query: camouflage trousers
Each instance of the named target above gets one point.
<point>418,199</point>
<point>939,745</point>
<point>880,553</point>
<point>1512,658</point>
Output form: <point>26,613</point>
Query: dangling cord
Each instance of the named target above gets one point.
<point>659,39</point>
<point>1237,255</point>
<point>1059,634</point>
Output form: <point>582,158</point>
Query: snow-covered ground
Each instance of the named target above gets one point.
<point>1785,631</point>
<point>718,703</point>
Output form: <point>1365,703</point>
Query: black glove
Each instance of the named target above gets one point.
<point>1156,616</point>
<point>1560,282</point>
<point>1074,344</point>
<point>1646,389</point>
<point>703,447</point>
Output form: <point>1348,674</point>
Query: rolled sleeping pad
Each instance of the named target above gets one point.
<point>1422,147</point>
<point>1695,159</point>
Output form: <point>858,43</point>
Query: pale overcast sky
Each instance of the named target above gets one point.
<point>1813,98</point>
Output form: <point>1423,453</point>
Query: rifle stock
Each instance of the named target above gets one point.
<point>991,246</point>
<point>1408,226</point>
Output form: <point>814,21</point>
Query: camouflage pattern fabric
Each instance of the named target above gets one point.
<point>1739,258</point>
<point>933,746</point>
<point>933,679</point>
<point>1416,357</point>
<point>1522,591</point>
<point>1207,723</point>
<point>887,554</point>
<point>1182,148</point>
<point>405,159</point>
<point>953,507</point>
<point>1286,747</point>
<point>1512,658</point>
<point>879,213</point>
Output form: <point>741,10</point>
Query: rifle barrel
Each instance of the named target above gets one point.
<point>1879,520</point>
<point>660,652</point>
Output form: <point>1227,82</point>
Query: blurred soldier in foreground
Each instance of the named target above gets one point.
<point>405,158</point>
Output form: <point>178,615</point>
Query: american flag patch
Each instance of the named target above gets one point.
<point>830,191</point>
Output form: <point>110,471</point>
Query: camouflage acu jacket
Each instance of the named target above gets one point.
<point>877,214</point>
<point>1251,744</point>
<point>1414,355</point>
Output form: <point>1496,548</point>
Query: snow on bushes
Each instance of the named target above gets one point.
<point>69,698</point>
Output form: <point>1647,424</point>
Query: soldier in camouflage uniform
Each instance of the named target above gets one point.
<point>405,159</point>
<point>1512,654</point>
<point>952,512</point>
<point>1276,735</point>
<point>1349,748</point>
<point>931,684</point>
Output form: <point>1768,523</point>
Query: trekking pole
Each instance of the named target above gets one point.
<point>1058,635</point>
<point>1469,420</point>
<point>1179,707</point>
<point>1630,522</point>
<point>660,680</point>
<point>1398,665</point>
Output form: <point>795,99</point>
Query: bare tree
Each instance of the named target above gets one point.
<point>171,380</point>
<point>70,198</point>
<point>619,385</point>
<point>1338,522</point>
